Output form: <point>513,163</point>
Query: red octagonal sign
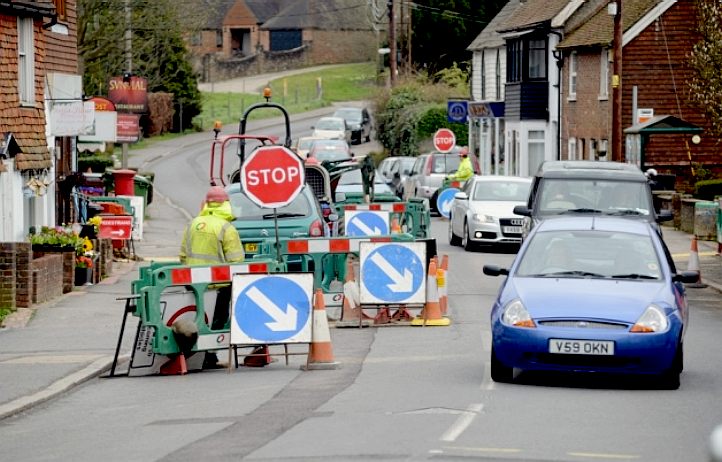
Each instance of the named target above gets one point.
<point>272,176</point>
<point>444,140</point>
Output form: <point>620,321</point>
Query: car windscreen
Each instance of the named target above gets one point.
<point>354,177</point>
<point>501,191</point>
<point>330,124</point>
<point>444,163</point>
<point>330,153</point>
<point>246,210</point>
<point>590,253</point>
<point>351,115</point>
<point>609,197</point>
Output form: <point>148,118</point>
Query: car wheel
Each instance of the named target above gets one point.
<point>368,137</point>
<point>465,239</point>
<point>500,372</point>
<point>453,238</point>
<point>432,203</point>
<point>669,380</point>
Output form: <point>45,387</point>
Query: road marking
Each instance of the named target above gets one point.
<point>594,455</point>
<point>686,255</point>
<point>462,423</point>
<point>496,450</point>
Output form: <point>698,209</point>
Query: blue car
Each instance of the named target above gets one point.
<point>591,294</point>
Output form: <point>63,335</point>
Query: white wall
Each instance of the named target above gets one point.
<point>11,204</point>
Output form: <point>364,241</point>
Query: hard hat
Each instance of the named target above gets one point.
<point>216,194</point>
<point>464,151</point>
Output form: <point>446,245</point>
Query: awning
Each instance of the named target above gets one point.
<point>663,124</point>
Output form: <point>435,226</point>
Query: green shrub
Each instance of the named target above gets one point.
<point>96,163</point>
<point>708,189</point>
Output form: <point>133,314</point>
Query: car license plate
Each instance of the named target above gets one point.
<point>251,247</point>
<point>581,347</point>
<point>512,229</point>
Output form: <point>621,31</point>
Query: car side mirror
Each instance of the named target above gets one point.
<point>494,270</point>
<point>686,277</point>
<point>522,210</point>
<point>665,215</point>
<point>461,195</point>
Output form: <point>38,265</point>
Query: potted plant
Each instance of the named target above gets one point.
<point>56,239</point>
<point>83,270</point>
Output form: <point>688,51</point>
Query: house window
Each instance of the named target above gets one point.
<point>537,59</point>
<point>514,61</point>
<point>572,149</point>
<point>497,78</point>
<point>285,39</point>
<point>535,145</point>
<point>573,75</point>
<point>196,39</point>
<point>60,9</point>
<point>219,39</point>
<point>604,74</point>
<point>483,76</point>
<point>26,61</point>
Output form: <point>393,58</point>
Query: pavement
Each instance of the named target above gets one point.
<point>50,348</point>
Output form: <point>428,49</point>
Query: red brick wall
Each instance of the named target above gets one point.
<point>7,275</point>
<point>330,47</point>
<point>23,275</point>
<point>47,282</point>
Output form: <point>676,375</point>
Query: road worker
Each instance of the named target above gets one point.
<point>211,239</point>
<point>465,170</point>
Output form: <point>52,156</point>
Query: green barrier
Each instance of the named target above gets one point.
<point>413,216</point>
<point>156,312</point>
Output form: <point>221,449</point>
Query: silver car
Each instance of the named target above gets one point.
<point>428,173</point>
<point>482,212</point>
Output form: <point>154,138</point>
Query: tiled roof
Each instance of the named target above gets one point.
<point>599,29</point>
<point>41,7</point>
<point>266,9</point>
<point>322,14</point>
<point>489,38</point>
<point>215,11</point>
<point>532,12</point>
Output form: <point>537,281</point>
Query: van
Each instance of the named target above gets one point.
<point>579,187</point>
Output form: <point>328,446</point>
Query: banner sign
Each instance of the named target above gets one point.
<point>128,128</point>
<point>129,95</point>
<point>72,118</point>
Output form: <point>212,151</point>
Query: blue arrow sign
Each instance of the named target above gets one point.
<point>457,111</point>
<point>444,201</point>
<point>367,223</point>
<point>392,273</point>
<point>272,309</point>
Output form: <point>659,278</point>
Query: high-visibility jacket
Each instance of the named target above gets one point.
<point>464,172</point>
<point>211,238</point>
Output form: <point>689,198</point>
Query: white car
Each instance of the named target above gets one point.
<point>333,128</point>
<point>482,212</point>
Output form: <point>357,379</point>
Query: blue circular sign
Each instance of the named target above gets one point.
<point>366,224</point>
<point>456,111</point>
<point>444,201</point>
<point>392,273</point>
<point>272,309</point>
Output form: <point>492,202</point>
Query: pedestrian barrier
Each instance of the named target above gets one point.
<point>320,354</point>
<point>414,216</point>
<point>693,265</point>
<point>431,314</point>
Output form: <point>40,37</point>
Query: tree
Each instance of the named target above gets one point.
<point>706,60</point>
<point>158,51</point>
<point>442,29</point>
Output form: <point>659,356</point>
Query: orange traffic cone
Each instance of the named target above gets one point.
<point>259,357</point>
<point>175,366</point>
<point>395,227</point>
<point>352,314</point>
<point>441,275</point>
<point>320,352</point>
<point>431,314</point>
<point>693,264</point>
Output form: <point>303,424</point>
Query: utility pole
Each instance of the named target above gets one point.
<point>392,41</point>
<point>617,154</point>
<point>128,67</point>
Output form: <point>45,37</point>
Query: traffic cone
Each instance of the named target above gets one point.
<point>259,357</point>
<point>320,352</point>
<point>175,366</point>
<point>352,314</point>
<point>431,314</point>
<point>693,265</point>
<point>395,227</point>
<point>441,275</point>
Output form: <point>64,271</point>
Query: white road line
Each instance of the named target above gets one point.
<point>594,455</point>
<point>468,449</point>
<point>462,423</point>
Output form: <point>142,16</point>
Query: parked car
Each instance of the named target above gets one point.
<point>334,128</point>
<point>303,145</point>
<point>482,212</point>
<point>358,121</point>
<point>302,217</point>
<point>395,170</point>
<point>588,187</point>
<point>428,173</point>
<point>591,294</point>
<point>331,150</point>
<point>350,184</point>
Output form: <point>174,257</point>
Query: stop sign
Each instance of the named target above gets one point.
<point>272,176</point>
<point>444,140</point>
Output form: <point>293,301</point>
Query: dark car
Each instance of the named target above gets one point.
<point>358,120</point>
<point>581,187</point>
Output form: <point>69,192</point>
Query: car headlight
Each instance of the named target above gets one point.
<point>515,314</point>
<point>481,218</point>
<point>652,320</point>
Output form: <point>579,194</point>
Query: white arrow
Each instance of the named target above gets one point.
<point>119,232</point>
<point>446,206</point>
<point>283,321</point>
<point>365,229</point>
<point>401,283</point>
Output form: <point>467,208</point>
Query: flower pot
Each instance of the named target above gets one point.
<point>83,276</point>
<point>52,248</point>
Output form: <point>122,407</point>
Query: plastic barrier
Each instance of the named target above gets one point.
<point>414,215</point>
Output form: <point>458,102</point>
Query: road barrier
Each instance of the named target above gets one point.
<point>414,216</point>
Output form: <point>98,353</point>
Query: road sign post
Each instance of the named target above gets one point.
<point>444,140</point>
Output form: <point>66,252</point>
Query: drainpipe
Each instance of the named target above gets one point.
<point>560,64</point>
